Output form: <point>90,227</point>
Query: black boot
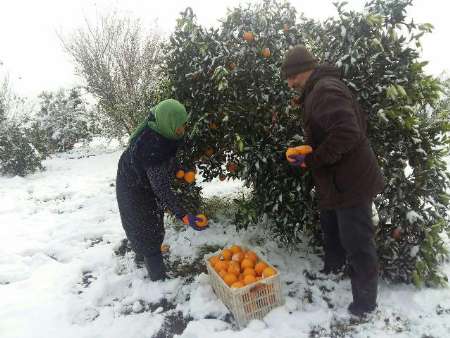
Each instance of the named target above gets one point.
<point>364,297</point>
<point>155,267</point>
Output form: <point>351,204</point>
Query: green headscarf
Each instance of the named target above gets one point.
<point>168,116</point>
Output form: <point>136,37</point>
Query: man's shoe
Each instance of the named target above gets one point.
<point>359,310</point>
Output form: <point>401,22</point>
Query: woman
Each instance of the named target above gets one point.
<point>143,189</point>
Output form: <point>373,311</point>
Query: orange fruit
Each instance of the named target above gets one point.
<point>241,277</point>
<point>235,249</point>
<point>248,36</point>
<point>258,278</point>
<point>300,150</point>
<point>180,174</point>
<point>222,177</point>
<point>234,270</point>
<point>222,273</point>
<point>209,151</point>
<point>226,254</point>
<point>237,257</point>
<point>247,263</point>
<point>259,267</point>
<point>189,177</point>
<point>232,167</point>
<point>221,265</point>
<point>268,272</point>
<point>237,284</point>
<point>251,255</point>
<point>249,279</point>
<point>212,125</point>
<point>214,259</point>
<point>265,52</point>
<point>230,278</point>
<point>203,222</point>
<point>249,271</point>
<point>397,233</point>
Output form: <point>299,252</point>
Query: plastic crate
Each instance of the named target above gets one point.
<point>252,301</point>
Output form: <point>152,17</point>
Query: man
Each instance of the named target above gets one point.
<point>345,171</point>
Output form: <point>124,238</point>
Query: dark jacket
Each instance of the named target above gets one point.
<point>148,165</point>
<point>344,166</point>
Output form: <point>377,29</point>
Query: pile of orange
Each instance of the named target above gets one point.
<point>238,267</point>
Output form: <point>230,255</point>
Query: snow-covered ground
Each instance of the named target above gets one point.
<point>64,273</point>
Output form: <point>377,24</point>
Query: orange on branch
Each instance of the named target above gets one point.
<point>248,36</point>
<point>180,174</point>
<point>265,52</point>
<point>189,177</point>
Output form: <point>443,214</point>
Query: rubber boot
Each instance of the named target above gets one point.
<point>364,297</point>
<point>155,267</point>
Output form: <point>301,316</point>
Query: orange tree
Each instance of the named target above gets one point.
<point>244,118</point>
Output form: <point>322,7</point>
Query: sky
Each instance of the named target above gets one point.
<point>31,52</point>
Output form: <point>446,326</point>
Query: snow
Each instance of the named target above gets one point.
<point>60,275</point>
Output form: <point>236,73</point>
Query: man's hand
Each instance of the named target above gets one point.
<point>297,160</point>
<point>197,222</point>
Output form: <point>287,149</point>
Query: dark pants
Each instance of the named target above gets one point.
<point>142,218</point>
<point>349,233</point>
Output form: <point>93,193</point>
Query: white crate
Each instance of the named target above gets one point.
<point>252,301</point>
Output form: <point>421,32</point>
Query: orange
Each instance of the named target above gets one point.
<point>237,284</point>
<point>300,150</point>
<point>232,167</point>
<point>249,271</point>
<point>237,257</point>
<point>222,273</point>
<point>249,279</point>
<point>180,174</point>
<point>209,151</point>
<point>189,177</point>
<point>248,36</point>
<point>203,222</point>
<point>251,255</point>
<point>229,279</point>
<point>234,270</point>
<point>221,265</point>
<point>268,272</point>
<point>258,278</point>
<point>247,263</point>
<point>226,254</point>
<point>235,249</point>
<point>222,177</point>
<point>265,52</point>
<point>214,259</point>
<point>259,267</point>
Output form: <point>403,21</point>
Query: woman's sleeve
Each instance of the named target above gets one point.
<point>159,177</point>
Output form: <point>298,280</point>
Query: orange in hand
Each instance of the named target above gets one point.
<point>300,150</point>
<point>203,222</point>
